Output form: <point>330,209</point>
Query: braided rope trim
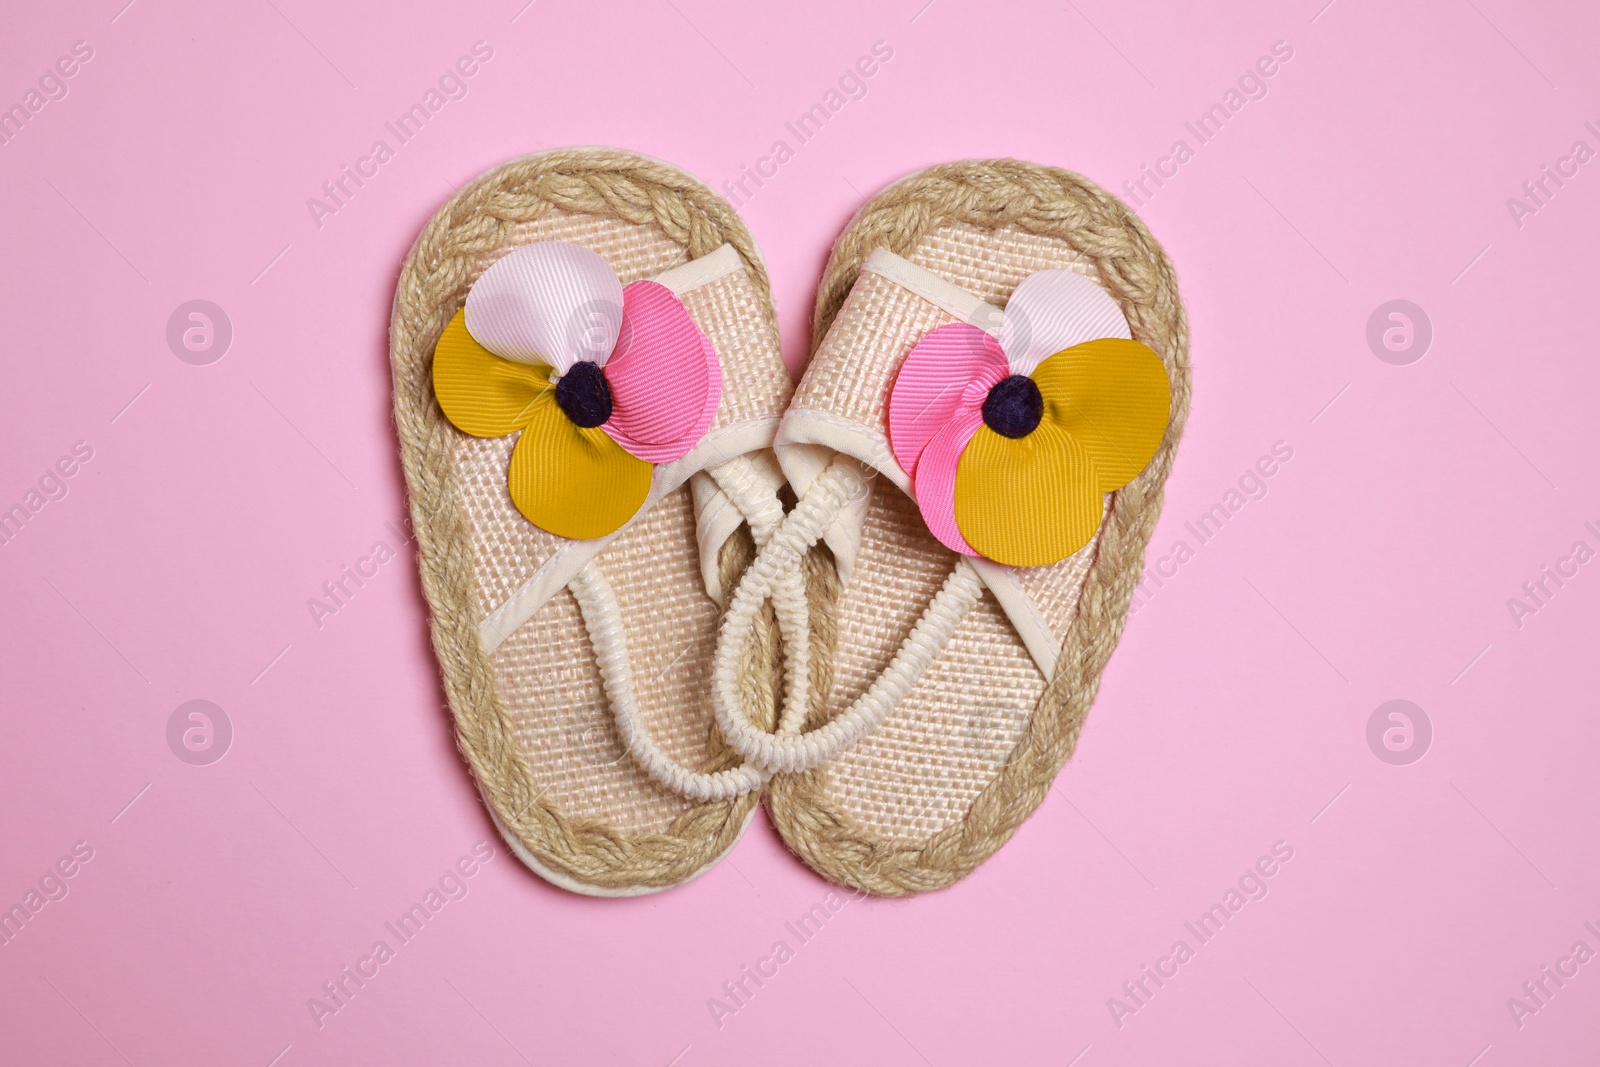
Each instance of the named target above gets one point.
<point>432,288</point>
<point>1055,203</point>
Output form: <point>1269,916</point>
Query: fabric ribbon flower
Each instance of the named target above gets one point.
<point>1011,444</point>
<point>603,381</point>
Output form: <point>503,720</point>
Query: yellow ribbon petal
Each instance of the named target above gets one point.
<point>1112,397</point>
<point>481,393</point>
<point>1034,500</point>
<point>574,482</point>
<point>1027,501</point>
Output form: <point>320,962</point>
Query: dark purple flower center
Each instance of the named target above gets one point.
<point>585,395</point>
<point>1014,406</point>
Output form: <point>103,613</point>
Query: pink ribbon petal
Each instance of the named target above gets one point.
<point>664,376</point>
<point>949,372</point>
<point>936,478</point>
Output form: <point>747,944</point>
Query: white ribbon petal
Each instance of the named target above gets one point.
<point>551,302</point>
<point>1053,310</point>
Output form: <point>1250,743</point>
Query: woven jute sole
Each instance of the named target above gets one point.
<point>531,716</point>
<point>973,750</point>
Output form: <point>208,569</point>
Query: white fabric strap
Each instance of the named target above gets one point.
<point>776,564</point>
<point>602,616</point>
<point>935,290</point>
<point>715,520</point>
<point>703,271</point>
<point>744,483</point>
<point>717,517</point>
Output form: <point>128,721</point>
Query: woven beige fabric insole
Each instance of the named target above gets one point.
<point>922,769</point>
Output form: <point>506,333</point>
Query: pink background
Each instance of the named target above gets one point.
<point>1379,565</point>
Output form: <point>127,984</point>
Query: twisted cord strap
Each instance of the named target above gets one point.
<point>602,617</point>
<point>778,565</point>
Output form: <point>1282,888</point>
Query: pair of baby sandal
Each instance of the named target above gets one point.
<point>639,639</point>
